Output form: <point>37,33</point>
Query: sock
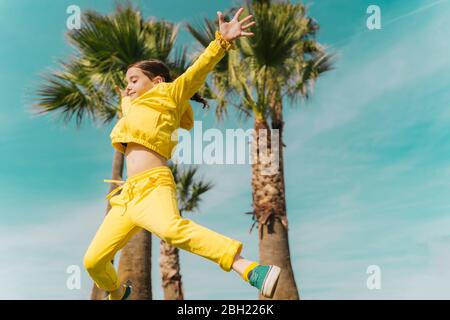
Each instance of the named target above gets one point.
<point>247,271</point>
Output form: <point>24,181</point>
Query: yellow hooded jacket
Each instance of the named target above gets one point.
<point>153,118</point>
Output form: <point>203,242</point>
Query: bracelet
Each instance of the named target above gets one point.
<point>224,43</point>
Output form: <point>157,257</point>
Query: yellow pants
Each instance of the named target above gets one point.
<point>149,201</point>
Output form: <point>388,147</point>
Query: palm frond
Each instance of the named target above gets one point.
<point>75,93</point>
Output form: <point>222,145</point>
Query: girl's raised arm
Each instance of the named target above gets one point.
<point>187,84</point>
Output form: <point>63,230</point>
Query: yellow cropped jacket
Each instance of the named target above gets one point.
<point>153,118</point>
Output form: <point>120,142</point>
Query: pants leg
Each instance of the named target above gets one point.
<point>112,235</point>
<point>158,213</point>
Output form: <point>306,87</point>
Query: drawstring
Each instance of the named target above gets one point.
<point>129,192</point>
<point>116,189</point>
<point>132,183</point>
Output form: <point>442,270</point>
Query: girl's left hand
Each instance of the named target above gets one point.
<point>121,93</point>
<point>234,29</point>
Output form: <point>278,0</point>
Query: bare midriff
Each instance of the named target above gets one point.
<point>139,158</point>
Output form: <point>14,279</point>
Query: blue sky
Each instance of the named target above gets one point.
<point>367,160</point>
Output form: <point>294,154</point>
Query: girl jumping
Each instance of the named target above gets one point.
<point>153,108</point>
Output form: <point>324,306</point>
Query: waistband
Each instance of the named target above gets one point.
<point>141,175</point>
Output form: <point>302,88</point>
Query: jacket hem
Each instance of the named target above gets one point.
<point>116,143</point>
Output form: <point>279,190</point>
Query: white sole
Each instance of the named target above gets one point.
<point>271,281</point>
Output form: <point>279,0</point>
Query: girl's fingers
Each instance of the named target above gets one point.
<point>247,34</point>
<point>221,17</point>
<point>248,25</point>
<point>246,19</point>
<point>238,13</point>
<point>120,92</point>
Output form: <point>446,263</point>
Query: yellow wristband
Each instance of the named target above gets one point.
<point>224,43</point>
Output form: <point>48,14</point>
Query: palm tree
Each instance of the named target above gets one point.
<point>105,46</point>
<point>282,60</point>
<point>189,193</point>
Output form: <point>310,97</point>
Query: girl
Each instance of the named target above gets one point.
<point>153,108</point>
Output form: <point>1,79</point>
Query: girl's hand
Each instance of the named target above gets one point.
<point>120,92</point>
<point>234,29</point>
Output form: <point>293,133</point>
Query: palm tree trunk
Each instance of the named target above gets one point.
<point>135,265</point>
<point>117,172</point>
<point>269,204</point>
<point>170,272</point>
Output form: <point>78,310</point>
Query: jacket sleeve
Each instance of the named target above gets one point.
<point>187,84</point>
<point>187,118</point>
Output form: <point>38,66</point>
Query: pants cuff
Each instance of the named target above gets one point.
<point>227,260</point>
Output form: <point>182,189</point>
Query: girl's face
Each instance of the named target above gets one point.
<point>139,83</point>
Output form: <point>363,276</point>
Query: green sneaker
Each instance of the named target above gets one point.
<point>127,293</point>
<point>265,278</point>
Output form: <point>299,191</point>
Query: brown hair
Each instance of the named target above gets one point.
<point>153,67</point>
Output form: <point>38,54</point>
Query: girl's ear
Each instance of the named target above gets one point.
<point>158,79</point>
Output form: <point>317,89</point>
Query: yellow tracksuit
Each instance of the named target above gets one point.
<point>148,199</point>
